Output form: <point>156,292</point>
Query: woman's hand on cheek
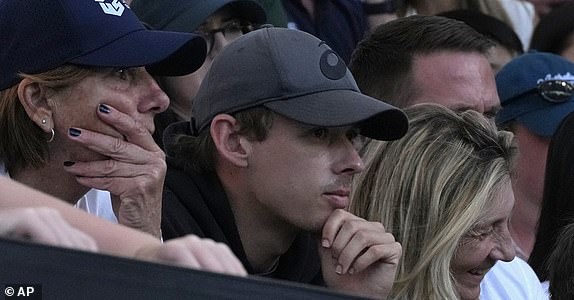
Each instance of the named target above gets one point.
<point>133,172</point>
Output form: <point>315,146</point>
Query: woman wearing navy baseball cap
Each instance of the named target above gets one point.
<point>77,103</point>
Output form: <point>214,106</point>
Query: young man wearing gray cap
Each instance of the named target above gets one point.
<point>537,93</point>
<point>266,164</point>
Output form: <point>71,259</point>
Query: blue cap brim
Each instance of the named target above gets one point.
<point>544,122</point>
<point>166,53</point>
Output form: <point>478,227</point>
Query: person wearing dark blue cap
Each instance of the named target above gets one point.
<point>72,81</point>
<point>536,92</point>
<point>76,113</point>
<point>218,21</point>
<point>266,161</point>
<point>64,63</point>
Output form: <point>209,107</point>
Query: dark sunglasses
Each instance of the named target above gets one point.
<point>555,91</point>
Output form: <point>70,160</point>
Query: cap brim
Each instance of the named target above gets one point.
<point>193,16</point>
<point>376,119</point>
<point>163,53</point>
<point>544,122</point>
<point>249,10</point>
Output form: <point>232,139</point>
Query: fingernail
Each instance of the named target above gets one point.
<point>74,132</point>
<point>325,243</point>
<point>68,163</point>
<point>351,271</point>
<point>339,270</point>
<point>104,108</point>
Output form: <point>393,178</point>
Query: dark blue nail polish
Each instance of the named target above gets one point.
<point>74,132</point>
<point>68,163</point>
<point>104,108</point>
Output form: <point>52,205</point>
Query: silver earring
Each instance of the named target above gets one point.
<point>52,135</point>
<point>43,121</point>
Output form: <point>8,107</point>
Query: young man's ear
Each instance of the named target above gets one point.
<point>32,96</point>
<point>230,145</point>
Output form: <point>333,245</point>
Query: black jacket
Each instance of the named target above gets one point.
<point>197,204</point>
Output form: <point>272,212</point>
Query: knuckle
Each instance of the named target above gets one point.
<point>188,239</point>
<point>109,166</point>
<point>352,225</point>
<point>118,146</point>
<point>362,238</point>
<point>42,210</point>
<point>224,248</point>
<point>171,251</point>
<point>381,250</point>
<point>390,237</point>
<point>105,184</point>
<point>398,247</point>
<point>379,226</point>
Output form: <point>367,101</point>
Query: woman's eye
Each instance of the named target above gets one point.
<point>122,74</point>
<point>487,232</point>
<point>481,233</point>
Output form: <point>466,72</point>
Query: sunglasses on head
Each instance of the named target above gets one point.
<point>555,91</point>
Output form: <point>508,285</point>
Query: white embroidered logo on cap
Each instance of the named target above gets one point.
<point>566,77</point>
<point>116,7</point>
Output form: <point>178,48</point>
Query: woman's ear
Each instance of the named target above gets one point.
<point>32,96</point>
<point>230,145</point>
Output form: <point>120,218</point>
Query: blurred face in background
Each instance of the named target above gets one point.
<point>219,29</point>
<point>500,56</point>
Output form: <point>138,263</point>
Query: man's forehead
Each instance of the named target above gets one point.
<point>457,80</point>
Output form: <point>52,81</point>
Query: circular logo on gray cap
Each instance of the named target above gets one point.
<point>332,66</point>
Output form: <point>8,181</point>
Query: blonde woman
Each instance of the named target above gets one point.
<point>444,192</point>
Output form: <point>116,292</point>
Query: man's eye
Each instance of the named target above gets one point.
<point>320,133</point>
<point>356,138</point>
<point>353,134</point>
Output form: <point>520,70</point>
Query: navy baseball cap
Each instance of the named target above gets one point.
<point>187,15</point>
<point>536,89</point>
<point>296,75</point>
<point>40,35</point>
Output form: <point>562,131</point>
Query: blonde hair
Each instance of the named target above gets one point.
<point>22,143</point>
<point>430,188</point>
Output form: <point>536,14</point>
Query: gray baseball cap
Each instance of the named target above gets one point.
<point>295,75</point>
